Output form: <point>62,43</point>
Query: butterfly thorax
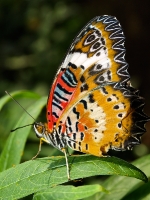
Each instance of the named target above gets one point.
<point>51,137</point>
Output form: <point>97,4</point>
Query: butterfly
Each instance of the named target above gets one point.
<point>92,106</point>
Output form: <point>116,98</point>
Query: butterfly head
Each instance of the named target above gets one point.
<point>40,129</point>
<point>50,137</point>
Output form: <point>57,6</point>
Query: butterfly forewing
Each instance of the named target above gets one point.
<point>97,54</point>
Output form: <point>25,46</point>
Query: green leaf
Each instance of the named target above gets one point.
<point>122,185</point>
<point>21,94</point>
<point>142,192</point>
<point>68,192</point>
<point>14,146</point>
<point>39,174</point>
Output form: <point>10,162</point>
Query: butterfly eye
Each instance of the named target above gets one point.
<point>39,129</point>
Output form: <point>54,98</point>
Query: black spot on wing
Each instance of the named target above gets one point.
<point>91,99</point>
<point>109,99</point>
<point>72,65</point>
<point>95,69</point>
<point>75,112</point>
<point>82,79</point>
<point>84,104</point>
<point>74,136</point>
<point>116,107</point>
<point>120,115</point>
<point>90,38</point>
<point>103,41</point>
<point>69,120</point>
<point>82,67</point>
<point>86,146</point>
<point>74,145</point>
<point>84,87</point>
<point>70,129</point>
<point>81,136</point>
<point>76,126</point>
<point>104,90</point>
<point>98,54</point>
<point>96,45</point>
<point>109,75</point>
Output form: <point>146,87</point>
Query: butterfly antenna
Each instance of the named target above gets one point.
<point>21,127</point>
<point>20,106</point>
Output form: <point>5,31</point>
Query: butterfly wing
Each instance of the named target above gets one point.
<point>91,102</point>
<point>109,117</point>
<point>98,53</point>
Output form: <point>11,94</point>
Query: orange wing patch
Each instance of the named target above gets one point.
<point>104,120</point>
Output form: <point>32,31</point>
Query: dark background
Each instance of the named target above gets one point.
<point>35,35</point>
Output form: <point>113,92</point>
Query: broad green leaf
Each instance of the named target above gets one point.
<point>22,94</point>
<point>142,192</point>
<point>68,192</point>
<point>11,112</point>
<point>14,146</point>
<point>39,174</point>
<point>120,186</point>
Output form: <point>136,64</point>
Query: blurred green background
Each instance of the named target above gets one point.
<point>34,38</point>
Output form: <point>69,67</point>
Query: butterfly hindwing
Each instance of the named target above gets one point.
<point>105,119</point>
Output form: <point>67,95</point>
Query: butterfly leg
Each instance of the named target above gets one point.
<point>67,164</point>
<point>40,144</point>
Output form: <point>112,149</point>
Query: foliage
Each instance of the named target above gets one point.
<point>33,40</point>
<point>35,36</point>
<point>44,176</point>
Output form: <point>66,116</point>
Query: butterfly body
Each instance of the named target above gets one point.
<point>92,106</point>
